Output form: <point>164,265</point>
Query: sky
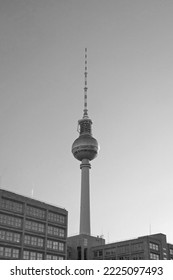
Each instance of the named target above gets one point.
<point>130,101</point>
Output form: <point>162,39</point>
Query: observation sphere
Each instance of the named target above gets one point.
<point>85,147</point>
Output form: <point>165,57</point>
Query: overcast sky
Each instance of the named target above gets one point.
<point>130,100</point>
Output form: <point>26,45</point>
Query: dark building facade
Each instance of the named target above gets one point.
<point>31,229</point>
<point>151,247</point>
<point>79,246</point>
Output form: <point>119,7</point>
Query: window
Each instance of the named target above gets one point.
<point>53,217</point>
<point>7,252</point>
<point>123,249</point>
<point>62,232</point>
<point>39,256</point>
<point>1,251</point>
<point>154,256</point>
<point>171,251</point>
<point>154,246</point>
<point>49,244</point>
<point>55,245</point>
<point>27,239</point>
<point>10,221</point>
<point>50,230</point>
<point>136,247</point>
<point>56,231</point>
<point>9,236</point>
<point>48,257</point>
<point>2,234</point>
<point>40,242</point>
<point>54,257</point>
<point>16,237</point>
<point>40,227</point>
<point>61,246</point>
<point>35,212</point>
<point>85,242</point>
<point>33,241</point>
<point>32,255</point>
<point>11,205</point>
<point>33,226</point>
<point>28,255</point>
<point>15,254</point>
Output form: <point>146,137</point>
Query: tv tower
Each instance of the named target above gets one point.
<point>85,148</point>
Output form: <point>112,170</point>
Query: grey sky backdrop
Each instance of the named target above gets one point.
<point>130,99</point>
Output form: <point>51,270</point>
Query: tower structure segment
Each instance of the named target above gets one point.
<point>85,148</point>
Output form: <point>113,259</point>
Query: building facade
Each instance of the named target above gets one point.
<point>151,247</point>
<point>79,246</point>
<point>30,229</point>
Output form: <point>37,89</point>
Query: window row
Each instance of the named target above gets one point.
<point>29,255</point>
<point>11,205</point>
<point>34,226</point>
<point>35,212</point>
<point>9,236</point>
<point>136,247</point>
<point>154,246</point>
<point>33,241</point>
<point>56,231</point>
<point>154,256</point>
<point>53,217</point>
<point>54,257</point>
<point>7,252</point>
<point>55,245</point>
<point>99,253</point>
<point>10,221</point>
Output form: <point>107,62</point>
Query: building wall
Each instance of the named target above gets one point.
<point>30,229</point>
<point>79,246</point>
<point>152,247</point>
<point>170,251</point>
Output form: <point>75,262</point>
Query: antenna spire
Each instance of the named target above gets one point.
<point>85,115</point>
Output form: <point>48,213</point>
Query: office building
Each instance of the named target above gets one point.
<point>31,229</point>
<point>151,247</point>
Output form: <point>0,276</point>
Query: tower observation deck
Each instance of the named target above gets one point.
<point>85,148</point>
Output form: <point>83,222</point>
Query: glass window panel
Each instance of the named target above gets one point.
<point>1,251</point>
<point>39,256</point>
<point>55,245</point>
<point>48,257</point>
<point>26,255</point>
<point>61,246</point>
<point>32,255</point>
<point>15,254</point>
<point>17,237</point>
<point>7,252</point>
<point>49,244</point>
<point>2,234</point>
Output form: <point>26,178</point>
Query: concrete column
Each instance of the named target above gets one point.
<point>85,198</point>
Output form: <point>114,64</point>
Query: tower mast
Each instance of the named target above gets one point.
<point>85,115</point>
<point>85,149</point>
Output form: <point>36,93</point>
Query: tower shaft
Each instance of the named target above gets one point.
<point>85,198</point>
<point>85,148</point>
